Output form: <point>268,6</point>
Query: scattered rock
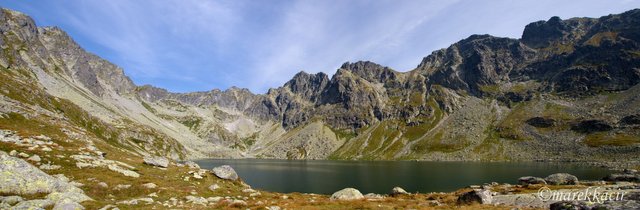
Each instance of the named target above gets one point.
<point>214,199</point>
<point>48,166</point>
<point>347,194</point>
<point>399,191</point>
<point>561,179</point>
<point>122,186</point>
<point>476,196</point>
<point>13,153</point>
<point>196,200</point>
<point>156,161</point>
<point>255,194</point>
<point>622,177</point>
<point>136,201</point>
<point>541,122</point>
<point>527,180</point>
<point>225,172</point>
<point>238,203</point>
<point>214,187</point>
<point>273,208</point>
<point>192,165</point>
<point>23,155</point>
<point>248,190</point>
<point>150,185</point>
<point>103,185</point>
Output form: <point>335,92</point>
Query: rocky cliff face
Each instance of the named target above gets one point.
<point>480,98</point>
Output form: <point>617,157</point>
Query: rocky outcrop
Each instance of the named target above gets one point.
<point>21,178</point>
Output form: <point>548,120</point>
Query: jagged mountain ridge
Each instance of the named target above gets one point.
<point>463,102</point>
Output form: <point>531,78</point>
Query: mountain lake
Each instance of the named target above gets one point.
<point>328,176</point>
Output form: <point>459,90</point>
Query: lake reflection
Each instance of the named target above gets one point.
<point>327,176</point>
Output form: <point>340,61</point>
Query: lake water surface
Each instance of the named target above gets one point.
<point>328,176</point>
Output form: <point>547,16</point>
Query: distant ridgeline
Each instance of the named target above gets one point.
<point>567,90</point>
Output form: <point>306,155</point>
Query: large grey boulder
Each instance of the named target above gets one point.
<point>561,179</point>
<point>347,194</point>
<point>527,180</point>
<point>225,172</point>
<point>20,177</point>
<point>476,196</point>
<point>156,161</point>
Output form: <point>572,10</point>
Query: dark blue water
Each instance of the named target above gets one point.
<point>328,176</point>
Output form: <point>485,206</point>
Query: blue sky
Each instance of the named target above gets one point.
<point>198,45</point>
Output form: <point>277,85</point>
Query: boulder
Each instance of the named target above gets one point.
<point>399,191</point>
<point>527,180</point>
<point>476,196</point>
<point>591,126</point>
<point>225,172</point>
<point>347,194</point>
<point>162,162</point>
<point>561,179</point>
<point>541,122</point>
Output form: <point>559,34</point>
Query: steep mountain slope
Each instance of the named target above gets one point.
<point>568,89</point>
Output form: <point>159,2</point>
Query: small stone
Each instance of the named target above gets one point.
<point>150,185</point>
<point>196,200</point>
<point>373,196</point>
<point>248,191</point>
<point>103,185</point>
<point>23,155</point>
<point>214,187</point>
<point>192,165</point>
<point>238,203</point>
<point>273,208</point>
<point>347,194</point>
<point>214,199</point>
<point>123,186</point>
<point>398,191</point>
<point>13,153</point>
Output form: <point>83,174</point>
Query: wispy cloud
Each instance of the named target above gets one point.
<point>189,45</point>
